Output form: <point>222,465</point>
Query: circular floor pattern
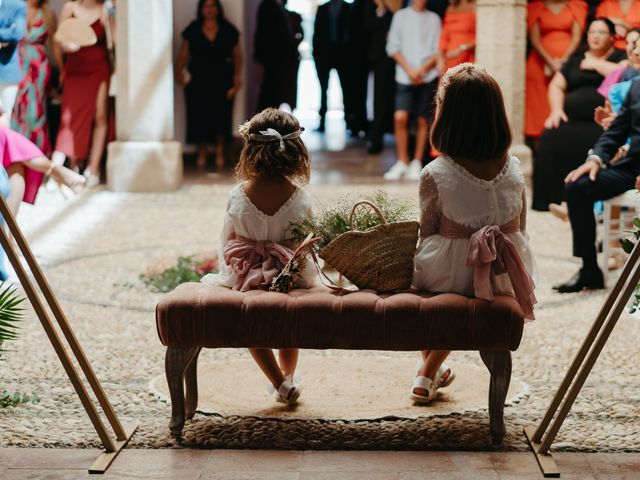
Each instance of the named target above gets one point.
<point>337,387</point>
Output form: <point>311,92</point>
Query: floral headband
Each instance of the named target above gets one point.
<point>269,135</point>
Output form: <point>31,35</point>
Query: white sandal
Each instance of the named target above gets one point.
<point>427,384</point>
<point>295,380</point>
<point>288,392</point>
<point>444,368</point>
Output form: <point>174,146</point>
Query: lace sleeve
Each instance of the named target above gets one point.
<point>523,212</point>
<point>429,210</point>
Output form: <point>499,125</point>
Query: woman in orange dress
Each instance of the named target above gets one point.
<point>458,36</point>
<point>555,30</point>
<point>625,15</point>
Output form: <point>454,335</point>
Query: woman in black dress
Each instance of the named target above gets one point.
<point>570,130</point>
<point>209,66</point>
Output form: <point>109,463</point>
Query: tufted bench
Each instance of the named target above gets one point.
<point>196,316</point>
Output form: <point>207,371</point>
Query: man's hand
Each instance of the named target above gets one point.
<point>554,119</point>
<point>638,182</point>
<point>590,168</point>
<point>415,75</point>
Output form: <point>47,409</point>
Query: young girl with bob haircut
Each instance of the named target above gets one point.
<point>254,245</point>
<point>473,212</point>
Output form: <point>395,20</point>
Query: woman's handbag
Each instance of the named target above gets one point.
<point>380,258</point>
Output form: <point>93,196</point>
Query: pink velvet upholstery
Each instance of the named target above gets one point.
<point>200,315</point>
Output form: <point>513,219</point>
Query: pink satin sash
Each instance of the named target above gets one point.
<point>491,250</point>
<point>256,262</point>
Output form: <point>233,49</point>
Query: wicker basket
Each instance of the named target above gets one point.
<point>380,258</point>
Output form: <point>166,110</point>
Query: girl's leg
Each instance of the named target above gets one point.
<point>220,144</point>
<point>430,367</point>
<point>266,360</point>
<point>288,360</point>
<point>100,128</point>
<point>421,137</point>
<point>201,159</point>
<point>18,186</point>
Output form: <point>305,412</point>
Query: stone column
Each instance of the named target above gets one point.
<point>501,34</point>
<point>145,157</point>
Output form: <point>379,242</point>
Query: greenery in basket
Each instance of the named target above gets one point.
<point>330,222</point>
<point>10,315</point>
<point>188,269</point>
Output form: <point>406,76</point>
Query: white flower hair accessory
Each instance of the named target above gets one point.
<point>272,135</point>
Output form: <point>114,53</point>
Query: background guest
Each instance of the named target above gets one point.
<point>555,30</point>
<point>413,44</point>
<point>209,65</point>
<point>30,111</point>
<point>291,75</point>
<point>12,27</point>
<point>85,80</point>
<point>458,37</point>
<point>573,97</point>
<point>331,44</point>
<point>625,15</point>
<point>357,70</point>
<point>276,49</point>
<point>377,21</point>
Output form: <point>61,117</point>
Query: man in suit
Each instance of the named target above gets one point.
<point>331,43</point>
<point>601,178</point>
<point>276,49</point>
<point>13,24</point>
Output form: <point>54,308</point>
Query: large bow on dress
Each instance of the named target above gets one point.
<point>490,250</point>
<point>256,262</point>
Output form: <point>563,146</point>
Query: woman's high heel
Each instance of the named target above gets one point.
<point>74,183</point>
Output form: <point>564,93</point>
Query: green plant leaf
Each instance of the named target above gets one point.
<point>627,245</point>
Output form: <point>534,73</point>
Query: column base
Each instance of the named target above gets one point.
<point>144,166</point>
<point>525,156</point>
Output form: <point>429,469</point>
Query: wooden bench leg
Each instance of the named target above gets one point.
<point>175,365</point>
<point>191,386</point>
<point>499,365</point>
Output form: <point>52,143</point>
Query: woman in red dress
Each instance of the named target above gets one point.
<point>85,81</point>
<point>625,15</point>
<point>555,30</point>
<point>458,35</point>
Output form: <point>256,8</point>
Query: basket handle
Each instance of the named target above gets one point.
<point>370,205</point>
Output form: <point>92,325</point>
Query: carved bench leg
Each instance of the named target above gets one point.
<point>191,386</point>
<point>175,364</point>
<point>499,365</point>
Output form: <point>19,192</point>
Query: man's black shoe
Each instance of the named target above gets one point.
<point>589,279</point>
<point>375,147</point>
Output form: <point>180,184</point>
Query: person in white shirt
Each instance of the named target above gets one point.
<point>413,44</point>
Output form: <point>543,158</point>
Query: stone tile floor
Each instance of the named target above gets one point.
<point>68,464</point>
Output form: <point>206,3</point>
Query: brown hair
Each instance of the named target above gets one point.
<point>471,122</point>
<point>267,159</point>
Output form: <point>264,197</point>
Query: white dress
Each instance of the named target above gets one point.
<point>448,189</point>
<point>244,219</point>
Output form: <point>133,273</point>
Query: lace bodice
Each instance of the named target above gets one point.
<point>447,188</point>
<point>244,219</point>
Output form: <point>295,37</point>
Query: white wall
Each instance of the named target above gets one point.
<point>184,11</point>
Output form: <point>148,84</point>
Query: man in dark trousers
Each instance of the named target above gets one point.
<point>600,178</point>
<point>331,43</point>
<point>377,22</point>
<point>276,49</point>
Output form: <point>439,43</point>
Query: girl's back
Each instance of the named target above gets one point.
<point>448,191</point>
